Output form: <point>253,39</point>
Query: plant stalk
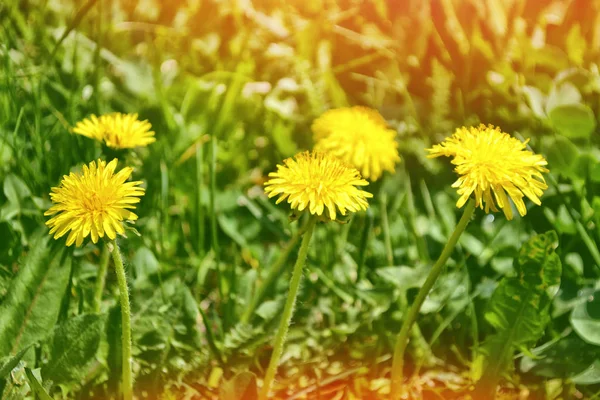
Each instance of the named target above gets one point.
<point>287,311</point>
<point>127,382</point>
<point>409,320</point>
<point>274,273</point>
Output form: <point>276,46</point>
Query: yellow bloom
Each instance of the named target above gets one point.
<point>359,136</point>
<point>94,203</point>
<point>492,164</point>
<point>118,131</point>
<point>318,180</point>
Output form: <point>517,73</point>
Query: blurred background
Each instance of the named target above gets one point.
<point>231,88</point>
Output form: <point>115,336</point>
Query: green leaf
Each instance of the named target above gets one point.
<point>585,319</point>
<point>37,386</point>
<point>8,363</point>
<point>573,120</point>
<point>15,189</point>
<point>562,154</point>
<point>562,94</point>
<point>33,301</point>
<point>590,376</point>
<point>518,309</point>
<point>240,387</point>
<point>536,100</point>
<point>565,358</point>
<point>72,346</point>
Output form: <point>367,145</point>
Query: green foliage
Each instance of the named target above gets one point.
<point>241,386</point>
<point>585,319</point>
<point>33,302</point>
<point>37,386</point>
<point>575,121</point>
<point>569,357</point>
<point>255,75</point>
<point>72,347</point>
<point>519,307</point>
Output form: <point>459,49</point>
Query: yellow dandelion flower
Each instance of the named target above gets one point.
<point>117,130</point>
<point>359,136</point>
<point>492,164</point>
<point>318,180</point>
<point>95,202</point>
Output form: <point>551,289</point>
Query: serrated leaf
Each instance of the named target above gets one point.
<point>241,336</point>
<point>585,319</point>
<point>33,301</point>
<point>240,387</point>
<point>518,309</point>
<point>72,347</point>
<point>574,121</point>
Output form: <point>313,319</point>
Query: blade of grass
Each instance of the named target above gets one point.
<point>73,25</point>
<point>199,189</point>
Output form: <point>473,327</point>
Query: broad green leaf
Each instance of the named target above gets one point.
<point>575,121</point>
<point>72,346</point>
<point>565,358</point>
<point>585,319</point>
<point>33,302</point>
<point>536,100</point>
<point>518,309</point>
<point>15,189</point>
<point>242,386</point>
<point>145,263</point>
<point>585,165</point>
<point>590,376</point>
<point>562,94</point>
<point>561,155</point>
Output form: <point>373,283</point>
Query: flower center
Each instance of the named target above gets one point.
<point>93,202</point>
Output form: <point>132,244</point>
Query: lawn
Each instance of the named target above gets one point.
<point>304,199</point>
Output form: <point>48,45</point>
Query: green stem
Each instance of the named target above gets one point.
<point>287,312</point>
<point>127,383</point>
<point>274,273</point>
<point>409,320</point>
<point>199,189</point>
<point>213,214</point>
<point>387,239</point>
<point>101,278</point>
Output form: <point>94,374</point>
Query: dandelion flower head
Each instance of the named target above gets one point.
<point>93,203</point>
<point>359,136</point>
<point>492,165</point>
<point>317,181</point>
<point>117,130</point>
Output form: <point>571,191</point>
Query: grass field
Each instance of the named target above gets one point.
<point>231,89</point>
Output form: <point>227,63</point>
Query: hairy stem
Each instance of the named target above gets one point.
<point>127,383</point>
<point>411,317</point>
<point>287,312</point>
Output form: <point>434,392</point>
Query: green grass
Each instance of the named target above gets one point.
<point>230,93</point>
